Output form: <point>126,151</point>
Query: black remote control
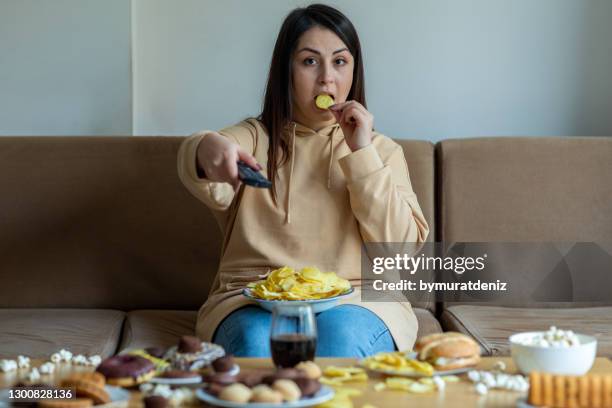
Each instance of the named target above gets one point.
<point>251,177</point>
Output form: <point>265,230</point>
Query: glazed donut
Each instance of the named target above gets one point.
<point>126,370</point>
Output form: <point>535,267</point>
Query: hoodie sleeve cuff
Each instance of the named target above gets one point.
<point>361,163</point>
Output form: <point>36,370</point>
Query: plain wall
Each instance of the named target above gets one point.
<point>434,70</point>
<point>65,67</point>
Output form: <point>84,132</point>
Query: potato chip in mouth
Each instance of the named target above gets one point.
<point>324,101</point>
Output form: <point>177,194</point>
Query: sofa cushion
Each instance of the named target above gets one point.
<point>492,325</point>
<point>427,322</point>
<point>162,328</point>
<point>156,328</point>
<point>38,333</point>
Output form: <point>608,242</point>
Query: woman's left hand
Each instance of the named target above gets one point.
<point>356,123</point>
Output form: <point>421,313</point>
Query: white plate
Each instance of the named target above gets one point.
<point>176,381</point>
<point>116,394</point>
<point>317,305</point>
<point>186,381</point>
<point>325,394</point>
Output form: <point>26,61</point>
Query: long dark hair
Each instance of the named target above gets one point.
<point>278,100</point>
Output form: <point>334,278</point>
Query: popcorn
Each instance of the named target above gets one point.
<point>23,362</point>
<point>499,366</point>
<point>474,376</point>
<point>481,389</point>
<point>499,380</point>
<point>56,358</point>
<point>440,384</point>
<point>47,368</point>
<point>553,338</point>
<point>80,360</point>
<point>8,365</point>
<point>177,398</point>
<point>95,360</point>
<point>34,375</point>
<point>65,355</point>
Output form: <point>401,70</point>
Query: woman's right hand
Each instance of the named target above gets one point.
<point>218,156</point>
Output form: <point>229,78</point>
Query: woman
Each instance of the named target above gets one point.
<point>336,184</point>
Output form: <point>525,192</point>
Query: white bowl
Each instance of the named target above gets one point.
<point>575,360</point>
<point>317,305</point>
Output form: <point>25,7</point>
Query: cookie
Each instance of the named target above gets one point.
<point>87,389</point>
<point>66,403</point>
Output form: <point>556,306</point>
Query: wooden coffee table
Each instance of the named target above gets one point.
<point>460,394</point>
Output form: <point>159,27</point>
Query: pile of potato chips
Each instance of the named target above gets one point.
<point>397,363</point>
<point>333,375</point>
<point>310,283</point>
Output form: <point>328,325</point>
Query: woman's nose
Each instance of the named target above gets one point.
<point>326,75</point>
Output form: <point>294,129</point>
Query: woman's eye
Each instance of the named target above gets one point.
<point>310,61</point>
<point>340,61</point>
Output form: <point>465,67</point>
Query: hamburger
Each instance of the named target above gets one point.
<point>448,351</point>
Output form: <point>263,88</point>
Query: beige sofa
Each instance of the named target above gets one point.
<point>102,248</point>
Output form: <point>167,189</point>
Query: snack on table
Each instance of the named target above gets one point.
<point>87,389</point>
<point>561,391</point>
<point>236,393</point>
<point>155,401</point>
<point>179,374</point>
<point>398,363</point>
<point>448,351</point>
<point>324,101</point>
<point>95,377</point>
<point>223,364</point>
<point>126,370</point>
<point>66,403</point>
<point>310,369</point>
<point>288,388</point>
<point>333,375</point>
<point>553,338</point>
<point>160,363</point>
<point>309,283</point>
<point>263,393</point>
<point>193,354</point>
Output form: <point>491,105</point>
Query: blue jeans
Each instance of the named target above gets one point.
<point>343,331</point>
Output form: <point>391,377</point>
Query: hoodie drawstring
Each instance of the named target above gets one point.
<point>331,156</point>
<point>288,209</point>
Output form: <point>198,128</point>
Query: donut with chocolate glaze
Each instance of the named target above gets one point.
<point>223,364</point>
<point>155,401</point>
<point>250,379</point>
<point>157,352</point>
<point>189,344</point>
<point>179,374</point>
<point>220,378</point>
<point>308,386</point>
<point>283,374</point>
<point>126,370</point>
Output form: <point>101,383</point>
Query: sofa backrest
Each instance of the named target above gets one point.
<point>104,222</point>
<point>525,189</point>
<point>101,222</point>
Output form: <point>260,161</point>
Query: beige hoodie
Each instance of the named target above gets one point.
<point>330,201</point>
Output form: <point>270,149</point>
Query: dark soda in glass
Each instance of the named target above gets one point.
<point>290,349</point>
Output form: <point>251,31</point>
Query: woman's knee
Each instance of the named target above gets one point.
<point>352,331</point>
<point>245,332</point>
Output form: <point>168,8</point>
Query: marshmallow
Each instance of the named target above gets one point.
<point>47,368</point>
<point>23,362</point>
<point>8,365</point>
<point>34,375</point>
<point>481,389</point>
